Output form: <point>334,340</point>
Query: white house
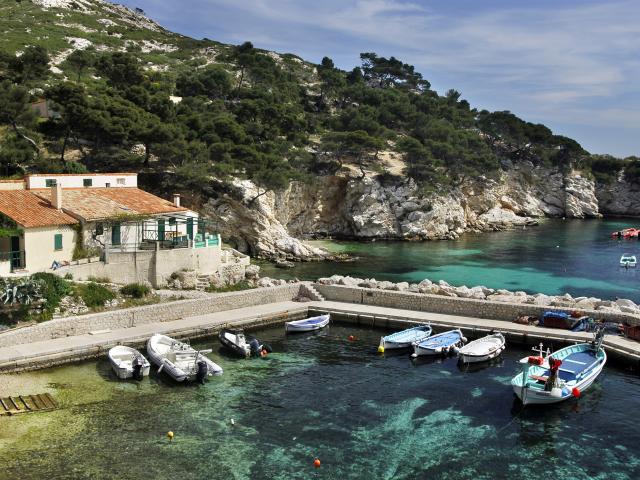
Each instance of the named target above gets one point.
<point>58,221</point>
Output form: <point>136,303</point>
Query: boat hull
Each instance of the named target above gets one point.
<point>405,338</point>
<point>445,343</point>
<point>531,396</point>
<point>229,344</point>
<point>186,371</point>
<point>307,325</point>
<point>121,360</point>
<point>483,349</point>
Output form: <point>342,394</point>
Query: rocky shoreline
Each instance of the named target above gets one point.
<point>273,225</point>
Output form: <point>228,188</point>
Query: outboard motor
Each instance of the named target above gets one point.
<point>254,345</point>
<point>203,371</point>
<point>137,364</point>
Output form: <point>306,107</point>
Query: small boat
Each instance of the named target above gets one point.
<point>179,360</point>
<point>308,324</point>
<point>237,342</point>
<point>405,338</point>
<point>128,362</point>
<point>482,349</point>
<point>560,375</point>
<point>441,344</point>
<point>627,260</point>
<point>626,233</point>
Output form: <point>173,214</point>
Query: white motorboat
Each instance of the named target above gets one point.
<point>308,324</point>
<point>482,349</point>
<point>627,260</point>
<point>128,362</point>
<point>179,360</point>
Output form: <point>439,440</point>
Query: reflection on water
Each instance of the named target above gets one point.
<point>320,395</point>
<point>574,256</point>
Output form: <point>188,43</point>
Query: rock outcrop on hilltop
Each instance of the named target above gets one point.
<point>367,208</point>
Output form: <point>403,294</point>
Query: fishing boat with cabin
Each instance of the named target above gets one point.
<point>560,375</point>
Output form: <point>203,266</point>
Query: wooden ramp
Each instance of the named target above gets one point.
<point>27,404</point>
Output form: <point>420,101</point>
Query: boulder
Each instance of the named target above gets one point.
<point>386,285</point>
<point>623,302</point>
<point>401,286</point>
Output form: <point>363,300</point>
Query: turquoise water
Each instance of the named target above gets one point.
<point>570,256</point>
<point>319,395</point>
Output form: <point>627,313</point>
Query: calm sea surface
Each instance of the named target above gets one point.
<point>319,395</point>
<point>574,256</point>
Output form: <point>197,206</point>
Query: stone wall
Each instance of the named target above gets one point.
<point>451,305</point>
<point>162,312</point>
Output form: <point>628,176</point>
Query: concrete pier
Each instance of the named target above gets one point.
<point>251,309</point>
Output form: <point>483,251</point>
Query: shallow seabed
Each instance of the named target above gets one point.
<point>320,395</point>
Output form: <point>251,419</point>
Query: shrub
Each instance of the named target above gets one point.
<point>94,294</point>
<point>91,278</point>
<point>243,285</point>
<point>68,276</point>
<point>135,290</point>
<point>53,289</point>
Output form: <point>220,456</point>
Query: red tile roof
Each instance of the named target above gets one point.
<point>29,210</point>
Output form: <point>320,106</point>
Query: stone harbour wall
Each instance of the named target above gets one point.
<point>162,312</point>
<point>467,307</point>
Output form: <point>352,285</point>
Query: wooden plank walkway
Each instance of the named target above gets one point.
<point>40,402</point>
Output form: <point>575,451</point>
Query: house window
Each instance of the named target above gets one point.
<point>107,185</point>
<point>50,182</point>
<point>120,181</point>
<point>99,229</point>
<point>57,241</point>
<point>172,221</point>
<point>115,234</point>
<point>87,182</point>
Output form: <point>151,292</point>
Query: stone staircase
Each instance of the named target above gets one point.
<point>202,282</point>
<point>309,291</point>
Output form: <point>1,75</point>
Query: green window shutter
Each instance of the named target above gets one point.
<point>190,227</point>
<point>87,182</point>
<point>161,229</point>
<point>50,182</point>
<point>115,234</point>
<point>57,241</point>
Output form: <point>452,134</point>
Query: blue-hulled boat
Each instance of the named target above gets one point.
<point>405,338</point>
<point>441,344</point>
<point>308,324</point>
<point>561,375</point>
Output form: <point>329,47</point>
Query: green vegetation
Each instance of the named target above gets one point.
<point>94,295</point>
<point>236,287</point>
<point>135,290</point>
<point>53,289</point>
<point>243,112</point>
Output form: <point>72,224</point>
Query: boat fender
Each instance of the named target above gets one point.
<point>438,350</point>
<point>464,339</point>
<point>203,371</point>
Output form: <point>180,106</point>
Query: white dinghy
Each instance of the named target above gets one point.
<point>128,362</point>
<point>482,349</point>
<point>179,360</point>
<point>308,324</point>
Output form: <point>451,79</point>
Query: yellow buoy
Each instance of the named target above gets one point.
<point>170,435</point>
<point>380,349</point>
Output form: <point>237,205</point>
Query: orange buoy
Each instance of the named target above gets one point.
<point>352,338</point>
<point>576,392</point>
<point>316,463</point>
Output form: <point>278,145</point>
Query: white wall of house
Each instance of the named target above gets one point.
<point>39,246</point>
<point>112,180</point>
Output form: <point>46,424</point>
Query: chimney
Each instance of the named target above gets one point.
<point>56,196</point>
<point>176,199</point>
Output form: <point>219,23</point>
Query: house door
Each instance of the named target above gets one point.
<point>115,234</point>
<point>15,253</point>
<point>161,229</point>
<point>190,228</point>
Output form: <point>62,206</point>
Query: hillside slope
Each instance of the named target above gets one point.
<point>273,147</point>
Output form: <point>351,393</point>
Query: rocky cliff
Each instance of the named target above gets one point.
<point>346,207</point>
